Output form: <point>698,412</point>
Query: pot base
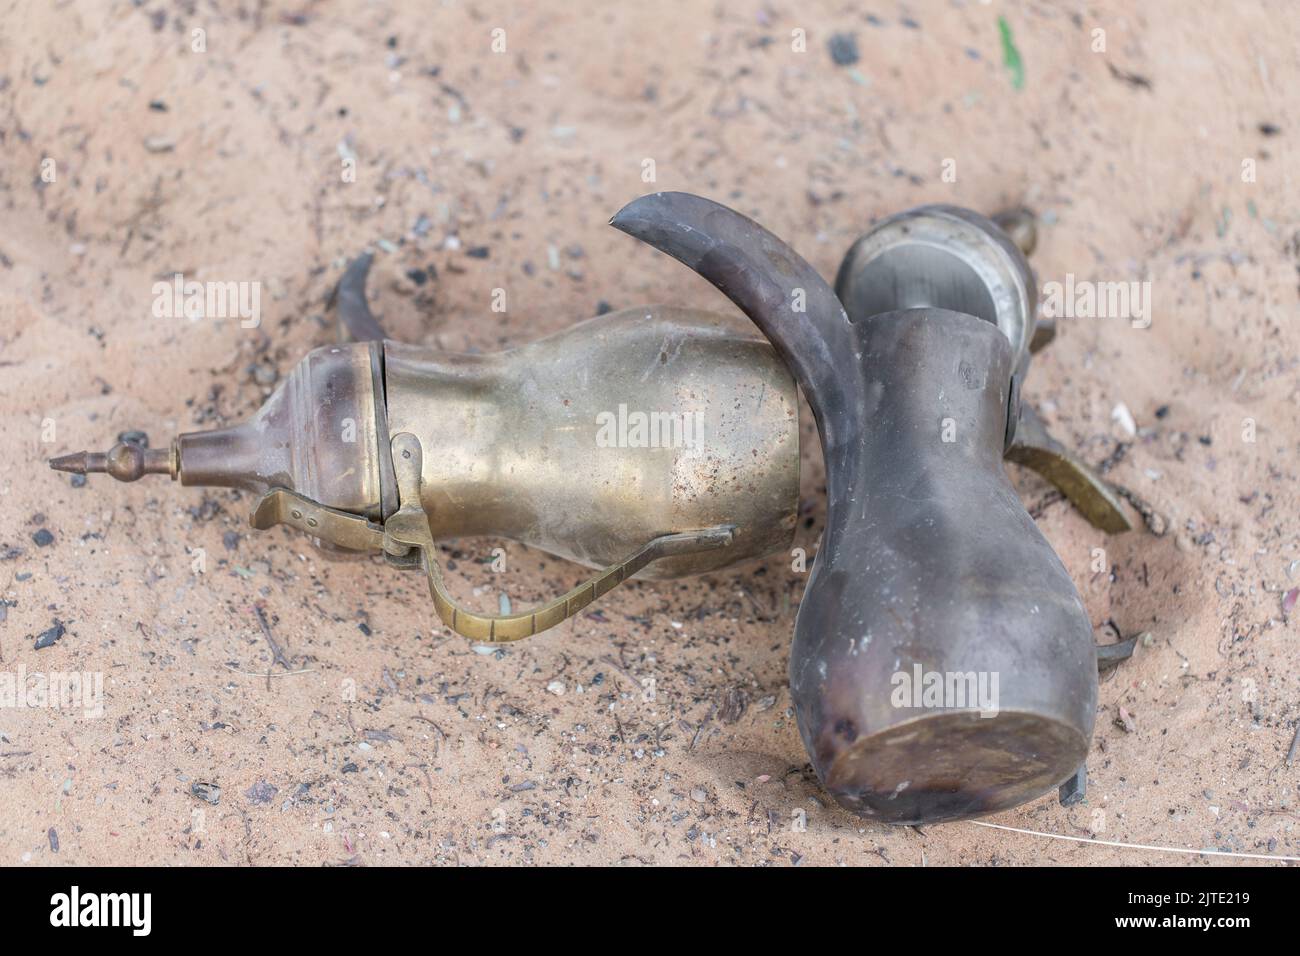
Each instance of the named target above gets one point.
<point>954,765</point>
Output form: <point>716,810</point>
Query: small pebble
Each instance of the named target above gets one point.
<point>43,538</point>
<point>843,49</point>
<point>261,792</point>
<point>1125,721</point>
<point>49,637</point>
<point>1124,418</point>
<point>208,792</point>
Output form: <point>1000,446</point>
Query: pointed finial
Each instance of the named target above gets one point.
<point>124,461</point>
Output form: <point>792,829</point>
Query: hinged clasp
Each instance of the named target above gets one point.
<point>282,506</point>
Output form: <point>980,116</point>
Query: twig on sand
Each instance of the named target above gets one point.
<point>268,675</point>
<point>277,655</point>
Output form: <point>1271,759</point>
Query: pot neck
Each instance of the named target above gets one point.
<point>934,385</point>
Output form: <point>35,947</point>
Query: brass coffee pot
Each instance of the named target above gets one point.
<point>655,441</point>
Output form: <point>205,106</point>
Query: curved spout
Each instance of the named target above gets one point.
<point>784,296</point>
<point>356,322</point>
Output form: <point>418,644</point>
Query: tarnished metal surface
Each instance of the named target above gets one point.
<point>941,257</point>
<point>946,257</point>
<point>356,322</point>
<point>316,435</point>
<point>950,573</point>
<point>929,564</point>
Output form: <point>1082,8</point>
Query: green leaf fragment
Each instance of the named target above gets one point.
<point>1010,55</point>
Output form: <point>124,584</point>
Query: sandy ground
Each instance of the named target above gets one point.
<point>500,170</point>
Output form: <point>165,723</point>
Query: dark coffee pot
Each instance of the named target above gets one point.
<point>943,665</point>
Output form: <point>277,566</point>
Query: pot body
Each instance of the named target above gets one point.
<point>587,444</point>
<point>591,442</point>
<point>943,663</point>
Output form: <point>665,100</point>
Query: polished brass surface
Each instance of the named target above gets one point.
<point>518,444</point>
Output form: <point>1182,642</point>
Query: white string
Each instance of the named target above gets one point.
<point>1137,846</point>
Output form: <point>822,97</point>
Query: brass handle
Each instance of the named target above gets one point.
<point>408,527</point>
<point>503,628</point>
<point>1035,448</point>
